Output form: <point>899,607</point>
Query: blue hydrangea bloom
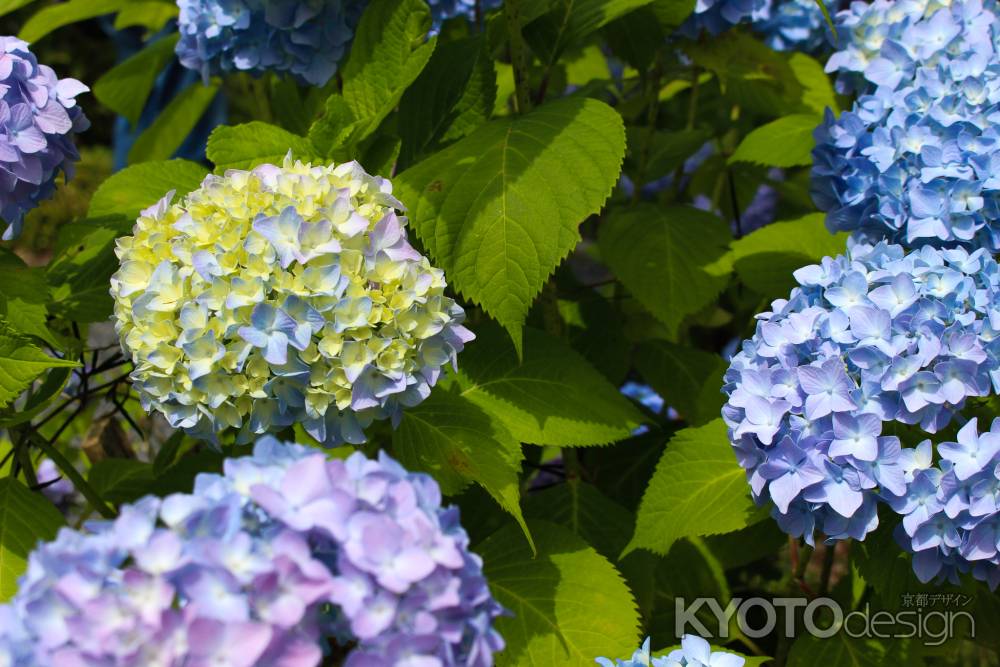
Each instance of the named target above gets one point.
<point>442,10</point>
<point>951,511</point>
<point>260,566</point>
<point>914,160</point>
<point>793,25</point>
<point>38,118</point>
<point>304,38</point>
<point>872,336</point>
<point>694,652</point>
<point>785,25</point>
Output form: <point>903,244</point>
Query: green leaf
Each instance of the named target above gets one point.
<point>121,480</point>
<point>24,298</point>
<point>389,51</point>
<point>82,266</point>
<point>451,438</point>
<point>569,603</point>
<point>20,363</point>
<point>25,519</point>
<point>766,258</point>
<point>331,130</point>
<point>56,16</point>
<point>125,88</point>
<point>687,378</point>
<point>454,95</point>
<point>596,519</point>
<point>667,150</point>
<point>551,397</point>
<point>786,142</point>
<point>247,145</point>
<point>139,186</point>
<point>498,210</point>
<point>149,14</point>
<point>672,259</point>
<point>698,489</point>
<point>160,140</point>
<point>571,21</point>
<point>689,570</point>
<point>817,91</point>
<point>840,650</point>
<point>671,13</point>
<point>8,6</point>
<point>39,401</point>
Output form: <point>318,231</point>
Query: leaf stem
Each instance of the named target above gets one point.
<point>71,473</point>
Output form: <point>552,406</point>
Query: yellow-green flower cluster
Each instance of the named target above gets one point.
<point>282,295</point>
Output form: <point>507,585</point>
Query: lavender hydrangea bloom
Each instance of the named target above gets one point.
<point>913,161</point>
<point>872,336</point>
<point>306,39</point>
<point>951,512</point>
<point>38,118</point>
<point>255,568</point>
<point>716,16</point>
<point>694,652</point>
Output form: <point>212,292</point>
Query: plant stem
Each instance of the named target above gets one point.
<point>824,579</point>
<point>71,473</point>
<point>518,56</point>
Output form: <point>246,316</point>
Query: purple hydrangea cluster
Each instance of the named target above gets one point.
<point>257,567</point>
<point>304,38</point>
<point>38,118</point>
<point>694,652</point>
<point>914,160</point>
<point>951,512</point>
<point>873,336</point>
<point>716,16</point>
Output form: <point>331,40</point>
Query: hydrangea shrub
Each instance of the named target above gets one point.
<point>256,567</point>
<point>39,118</point>
<point>278,296</point>
<point>694,652</point>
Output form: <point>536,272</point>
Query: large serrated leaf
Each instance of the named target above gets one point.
<point>553,396</point>
<point>24,298</point>
<point>786,142</point>
<point>25,518</point>
<point>571,21</point>
<point>458,443</point>
<point>454,95</point>
<point>698,489</point>
<point>582,508</point>
<point>389,51</point>
<point>671,258</point>
<point>766,258</point>
<point>569,603</point>
<point>20,363</point>
<point>500,209</point>
<point>247,145</point>
<point>140,186</point>
<point>125,88</point>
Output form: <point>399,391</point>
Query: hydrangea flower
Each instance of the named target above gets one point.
<point>913,161</point>
<point>257,567</point>
<point>793,25</point>
<point>278,296</point>
<point>785,25</point>
<point>38,119</point>
<point>951,511</point>
<point>873,336</point>
<point>694,652</point>
<point>442,10</point>
<point>304,38</point>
